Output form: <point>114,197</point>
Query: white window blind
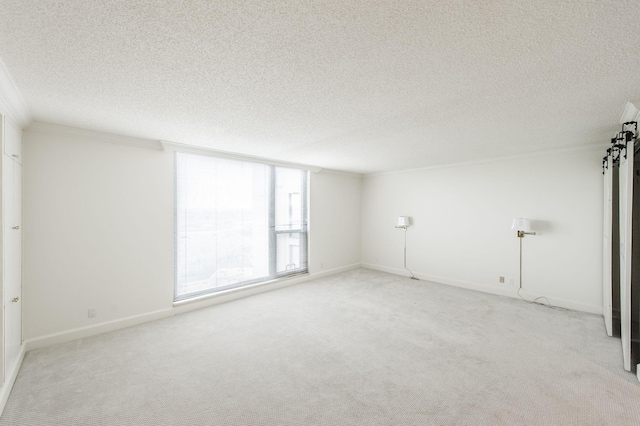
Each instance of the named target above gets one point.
<point>236,223</point>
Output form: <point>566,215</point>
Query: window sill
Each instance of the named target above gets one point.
<point>249,289</point>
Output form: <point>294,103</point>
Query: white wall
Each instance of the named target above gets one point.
<point>16,115</point>
<point>98,228</point>
<point>98,231</point>
<point>335,220</point>
<point>461,225</point>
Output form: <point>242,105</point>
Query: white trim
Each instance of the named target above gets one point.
<point>339,173</point>
<point>336,270</point>
<point>201,150</point>
<point>92,330</point>
<point>607,289</point>
<point>92,135</point>
<point>235,294</point>
<point>179,308</point>
<point>572,149</point>
<point>5,390</point>
<point>11,97</point>
<point>159,145</point>
<point>567,304</point>
<point>240,292</point>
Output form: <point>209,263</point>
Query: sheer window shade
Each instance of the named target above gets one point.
<point>236,223</point>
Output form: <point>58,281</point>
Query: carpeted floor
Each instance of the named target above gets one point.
<point>358,348</point>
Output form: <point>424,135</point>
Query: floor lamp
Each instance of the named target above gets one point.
<point>403,222</point>
<point>523,226</point>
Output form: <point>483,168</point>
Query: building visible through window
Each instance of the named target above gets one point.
<point>237,223</point>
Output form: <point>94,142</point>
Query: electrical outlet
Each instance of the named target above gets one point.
<point>512,281</point>
<point>502,280</point>
<point>92,313</point>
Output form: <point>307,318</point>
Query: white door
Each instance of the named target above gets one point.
<point>12,241</point>
<point>607,302</point>
<point>626,207</point>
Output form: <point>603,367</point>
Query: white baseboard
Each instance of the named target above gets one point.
<point>509,292</point>
<point>92,330</point>
<point>178,308</point>
<point>239,293</point>
<point>82,332</point>
<point>12,374</point>
<point>223,297</point>
<point>326,273</point>
<point>563,303</point>
<point>184,306</point>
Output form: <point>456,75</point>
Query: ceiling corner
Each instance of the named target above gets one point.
<point>11,96</point>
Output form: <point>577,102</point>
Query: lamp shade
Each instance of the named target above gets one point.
<point>402,221</point>
<point>520,224</point>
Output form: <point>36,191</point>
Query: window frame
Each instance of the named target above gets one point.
<point>302,230</point>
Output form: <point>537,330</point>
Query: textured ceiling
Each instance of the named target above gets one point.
<point>363,86</point>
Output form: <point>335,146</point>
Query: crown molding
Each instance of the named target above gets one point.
<point>194,149</point>
<point>92,135</point>
<point>339,173</point>
<point>160,145</point>
<point>11,97</point>
<point>576,148</point>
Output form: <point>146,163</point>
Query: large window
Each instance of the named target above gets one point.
<point>237,223</point>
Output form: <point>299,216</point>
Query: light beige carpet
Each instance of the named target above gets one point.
<point>358,348</point>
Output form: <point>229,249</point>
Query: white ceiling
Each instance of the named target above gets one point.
<point>363,86</point>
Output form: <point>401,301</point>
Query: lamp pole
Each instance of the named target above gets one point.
<point>413,277</point>
<point>521,235</point>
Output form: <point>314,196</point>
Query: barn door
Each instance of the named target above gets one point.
<point>626,217</point>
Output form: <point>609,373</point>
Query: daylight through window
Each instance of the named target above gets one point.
<point>237,223</point>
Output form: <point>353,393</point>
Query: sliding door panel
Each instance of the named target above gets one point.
<point>626,210</point>
<point>635,268</point>
<point>615,249</point>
